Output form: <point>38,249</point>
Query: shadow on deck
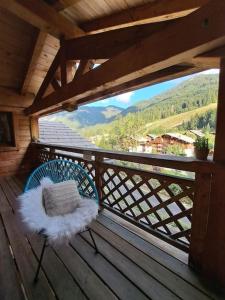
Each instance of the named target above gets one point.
<point>129,267</point>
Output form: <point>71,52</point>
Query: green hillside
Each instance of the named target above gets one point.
<point>193,102</point>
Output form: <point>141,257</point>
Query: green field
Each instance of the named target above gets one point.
<point>174,121</point>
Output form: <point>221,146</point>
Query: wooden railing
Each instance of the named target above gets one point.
<point>135,187</point>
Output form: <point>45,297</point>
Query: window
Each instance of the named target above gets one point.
<point>7,137</point>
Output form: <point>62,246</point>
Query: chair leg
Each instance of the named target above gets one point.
<point>40,260</point>
<point>93,240</point>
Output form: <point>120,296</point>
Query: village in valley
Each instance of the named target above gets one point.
<point>172,143</point>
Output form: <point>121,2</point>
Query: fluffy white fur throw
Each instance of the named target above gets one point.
<point>57,228</point>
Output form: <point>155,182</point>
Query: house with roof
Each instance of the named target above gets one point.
<point>178,139</point>
<point>57,133</point>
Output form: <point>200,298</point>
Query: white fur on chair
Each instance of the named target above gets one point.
<point>57,228</point>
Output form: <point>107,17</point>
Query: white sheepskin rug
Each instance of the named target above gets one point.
<point>57,228</point>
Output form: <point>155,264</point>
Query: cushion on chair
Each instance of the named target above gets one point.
<point>61,198</point>
<point>57,228</point>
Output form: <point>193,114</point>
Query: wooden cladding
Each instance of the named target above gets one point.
<point>158,203</point>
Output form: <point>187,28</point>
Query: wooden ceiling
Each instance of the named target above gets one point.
<point>98,30</point>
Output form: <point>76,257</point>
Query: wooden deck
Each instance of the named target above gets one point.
<point>129,267</point>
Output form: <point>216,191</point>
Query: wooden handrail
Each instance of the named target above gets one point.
<point>166,161</point>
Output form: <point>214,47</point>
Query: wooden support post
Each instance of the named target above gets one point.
<point>199,218</point>
<point>213,259</point>
<point>34,128</point>
<point>98,179</point>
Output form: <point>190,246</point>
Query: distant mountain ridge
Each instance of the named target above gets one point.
<point>88,115</point>
<point>192,93</point>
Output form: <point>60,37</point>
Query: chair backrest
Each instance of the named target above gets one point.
<point>59,170</point>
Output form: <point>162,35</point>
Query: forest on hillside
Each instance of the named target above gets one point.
<point>190,96</point>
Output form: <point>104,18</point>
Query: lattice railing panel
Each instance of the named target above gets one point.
<point>45,156</point>
<point>159,202</point>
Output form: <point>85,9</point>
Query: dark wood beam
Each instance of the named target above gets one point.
<point>157,11</point>
<point>42,16</point>
<point>84,66</point>
<point>36,51</point>
<point>108,44</point>
<point>61,5</point>
<point>159,51</point>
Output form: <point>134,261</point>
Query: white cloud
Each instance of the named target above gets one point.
<point>211,71</point>
<point>124,98</point>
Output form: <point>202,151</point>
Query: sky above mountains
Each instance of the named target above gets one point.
<point>131,98</point>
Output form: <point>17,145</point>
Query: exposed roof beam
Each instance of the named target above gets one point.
<point>159,51</point>
<point>36,51</point>
<point>42,16</point>
<point>107,44</point>
<point>147,80</point>
<point>61,5</point>
<point>160,10</point>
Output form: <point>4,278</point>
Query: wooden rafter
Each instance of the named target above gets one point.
<point>36,51</point>
<point>84,67</point>
<point>156,11</point>
<point>108,44</point>
<point>61,5</point>
<point>159,51</point>
<point>42,16</point>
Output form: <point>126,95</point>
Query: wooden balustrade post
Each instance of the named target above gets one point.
<point>213,256</point>
<point>199,218</point>
<point>98,178</point>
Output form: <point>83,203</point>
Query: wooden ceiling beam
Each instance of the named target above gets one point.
<point>108,44</point>
<point>157,11</point>
<point>36,51</point>
<point>147,80</point>
<point>61,5</point>
<point>159,51</point>
<point>43,16</point>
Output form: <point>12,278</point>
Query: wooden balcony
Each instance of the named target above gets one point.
<point>131,264</point>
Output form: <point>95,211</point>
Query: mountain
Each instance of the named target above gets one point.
<point>197,95</point>
<point>87,116</point>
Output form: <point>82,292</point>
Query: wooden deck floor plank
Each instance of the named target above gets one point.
<point>173,264</point>
<point>91,284</point>
<point>121,286</point>
<point>25,259</point>
<point>54,269</point>
<point>63,283</point>
<point>167,278</point>
<point>10,287</point>
<point>149,285</point>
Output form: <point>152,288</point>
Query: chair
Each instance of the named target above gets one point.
<point>57,171</point>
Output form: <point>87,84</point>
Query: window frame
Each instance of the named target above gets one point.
<point>14,132</point>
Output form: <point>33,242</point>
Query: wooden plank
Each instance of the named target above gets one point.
<point>36,51</point>
<point>152,12</point>
<point>88,280</point>
<point>42,16</point>
<point>61,5</point>
<point>10,286</point>
<point>25,259</point>
<point>163,258</point>
<point>120,285</point>
<point>135,62</point>
<point>61,280</point>
<point>178,163</point>
<point>108,44</point>
<point>165,277</point>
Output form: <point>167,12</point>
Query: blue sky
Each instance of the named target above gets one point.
<point>130,98</point>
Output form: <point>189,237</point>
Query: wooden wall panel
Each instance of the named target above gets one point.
<point>21,160</point>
